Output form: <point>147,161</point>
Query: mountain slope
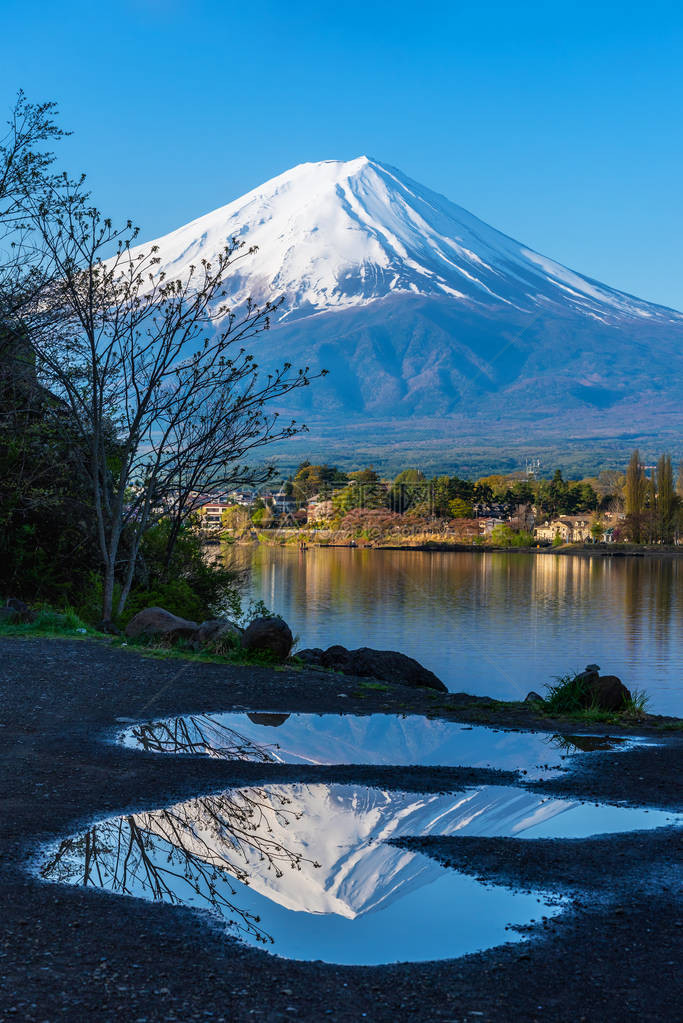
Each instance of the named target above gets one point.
<point>435,325</point>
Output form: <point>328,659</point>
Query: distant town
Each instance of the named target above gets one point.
<point>322,504</point>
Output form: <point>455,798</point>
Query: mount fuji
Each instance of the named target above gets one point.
<point>445,340</point>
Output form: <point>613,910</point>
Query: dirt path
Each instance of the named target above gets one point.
<point>75,954</point>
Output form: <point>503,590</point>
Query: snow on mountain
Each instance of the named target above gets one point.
<point>340,234</point>
<point>435,326</point>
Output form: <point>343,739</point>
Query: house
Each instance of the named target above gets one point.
<point>211,509</point>
<point>283,504</point>
<point>488,524</point>
<point>570,529</point>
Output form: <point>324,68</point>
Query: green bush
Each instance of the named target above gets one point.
<point>177,596</point>
<point>49,622</point>
<point>567,694</point>
<point>504,536</point>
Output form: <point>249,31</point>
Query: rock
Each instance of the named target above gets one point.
<point>608,692</point>
<point>584,682</point>
<point>385,665</point>
<point>22,612</point>
<point>533,697</point>
<point>313,656</point>
<point>219,629</point>
<point>155,621</point>
<point>271,720</point>
<point>268,636</point>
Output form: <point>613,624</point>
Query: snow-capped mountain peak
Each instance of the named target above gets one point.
<point>433,324</point>
<point>340,234</point>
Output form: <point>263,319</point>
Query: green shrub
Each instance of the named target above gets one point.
<point>177,596</point>
<point>568,694</point>
<point>49,622</point>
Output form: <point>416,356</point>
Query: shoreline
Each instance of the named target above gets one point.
<point>79,954</point>
<point>434,547</point>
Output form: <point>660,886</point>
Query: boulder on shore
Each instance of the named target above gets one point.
<point>17,612</point>
<point>268,636</point>
<point>604,692</point>
<point>155,621</point>
<point>384,665</point>
<point>217,630</point>
<point>608,692</point>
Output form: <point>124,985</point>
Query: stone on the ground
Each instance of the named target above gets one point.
<point>216,630</point>
<point>384,665</point>
<point>533,697</point>
<point>313,655</point>
<point>156,621</point>
<point>608,692</point>
<point>22,613</point>
<point>268,636</point>
<point>604,692</point>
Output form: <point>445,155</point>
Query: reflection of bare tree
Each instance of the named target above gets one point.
<point>200,734</point>
<point>185,853</point>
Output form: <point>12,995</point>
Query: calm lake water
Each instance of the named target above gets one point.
<point>496,624</point>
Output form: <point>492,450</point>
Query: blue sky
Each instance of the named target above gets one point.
<point>558,123</point>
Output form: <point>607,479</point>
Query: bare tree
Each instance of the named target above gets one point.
<point>25,174</point>
<point>161,391</point>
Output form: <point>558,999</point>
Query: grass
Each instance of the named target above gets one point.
<point>364,688</point>
<point>49,622</point>
<point>66,624</point>
<point>182,650</point>
<point>570,696</point>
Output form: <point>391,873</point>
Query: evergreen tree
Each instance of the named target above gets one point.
<point>634,493</point>
<point>666,500</point>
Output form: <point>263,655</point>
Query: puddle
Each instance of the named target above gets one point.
<point>306,869</point>
<point>373,739</point>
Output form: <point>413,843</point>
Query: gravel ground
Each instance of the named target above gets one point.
<point>74,954</point>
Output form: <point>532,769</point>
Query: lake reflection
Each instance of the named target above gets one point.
<point>495,623</point>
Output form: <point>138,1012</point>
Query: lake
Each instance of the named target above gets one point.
<point>487,623</point>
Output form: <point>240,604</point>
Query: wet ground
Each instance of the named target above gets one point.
<point>71,953</point>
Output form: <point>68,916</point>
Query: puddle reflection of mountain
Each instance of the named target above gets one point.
<point>383,739</point>
<point>312,870</point>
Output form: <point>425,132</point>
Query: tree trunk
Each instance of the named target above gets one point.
<point>108,596</point>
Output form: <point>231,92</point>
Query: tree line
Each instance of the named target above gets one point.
<point>649,507</point>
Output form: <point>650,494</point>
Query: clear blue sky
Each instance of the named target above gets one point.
<point>558,123</point>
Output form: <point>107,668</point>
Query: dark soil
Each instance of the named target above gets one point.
<point>74,954</point>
